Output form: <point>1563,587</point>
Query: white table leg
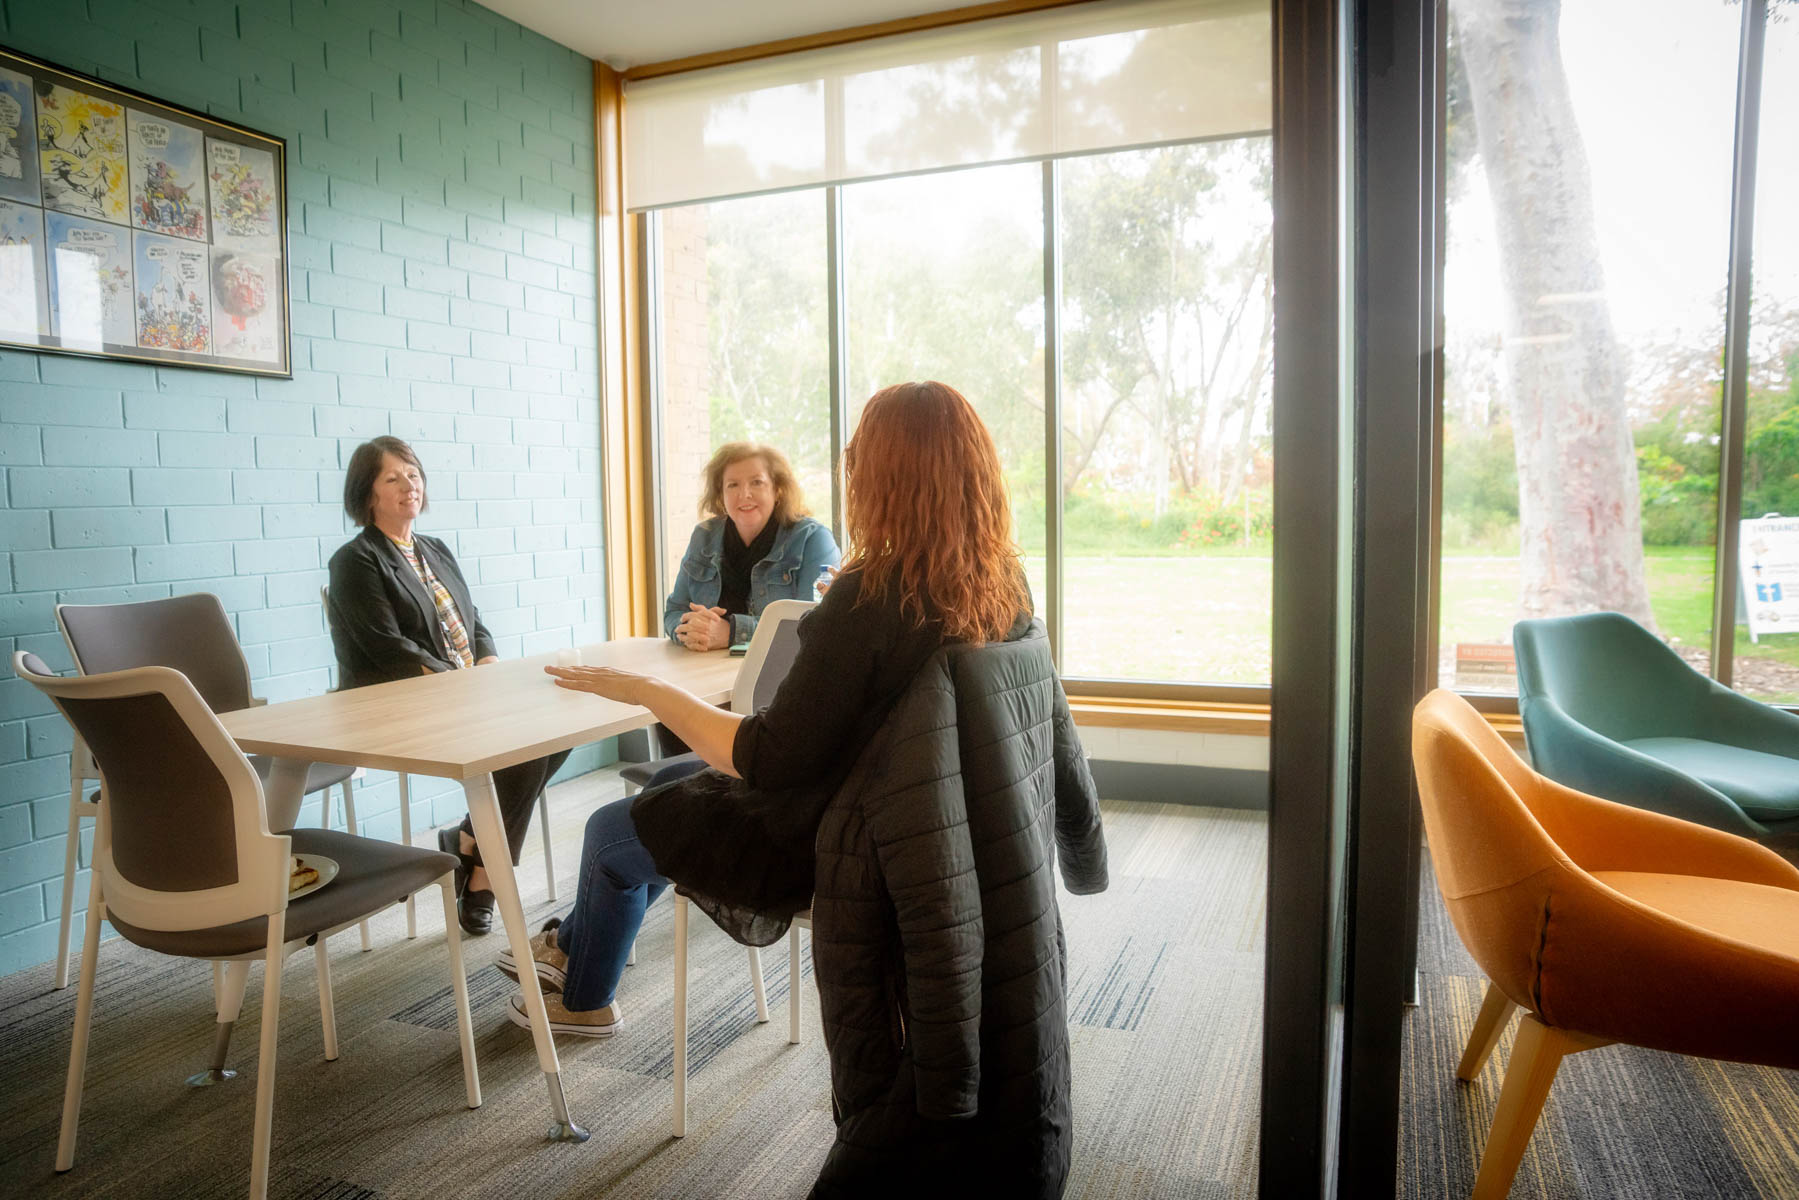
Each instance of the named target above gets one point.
<point>412,912</point>
<point>496,856</point>
<point>282,794</point>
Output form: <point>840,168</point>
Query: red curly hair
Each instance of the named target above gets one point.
<point>927,512</point>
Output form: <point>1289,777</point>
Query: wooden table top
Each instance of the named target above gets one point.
<point>460,724</point>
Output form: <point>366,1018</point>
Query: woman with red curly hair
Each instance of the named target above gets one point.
<point>931,561</point>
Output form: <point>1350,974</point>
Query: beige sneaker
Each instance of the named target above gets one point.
<point>594,1023</point>
<point>552,963</point>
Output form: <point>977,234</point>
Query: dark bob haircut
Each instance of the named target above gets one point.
<point>365,468</point>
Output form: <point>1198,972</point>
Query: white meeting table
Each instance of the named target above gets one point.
<point>465,725</point>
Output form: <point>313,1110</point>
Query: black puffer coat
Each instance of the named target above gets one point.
<point>942,971</point>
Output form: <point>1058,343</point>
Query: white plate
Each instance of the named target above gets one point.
<point>327,869</point>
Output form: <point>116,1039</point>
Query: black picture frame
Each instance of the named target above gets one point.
<point>136,229</point>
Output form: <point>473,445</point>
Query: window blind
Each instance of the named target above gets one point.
<point>1099,76</point>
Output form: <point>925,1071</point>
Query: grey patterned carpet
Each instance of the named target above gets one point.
<point>1165,997</point>
<point>1165,1008</point>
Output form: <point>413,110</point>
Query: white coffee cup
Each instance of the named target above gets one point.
<point>568,656</point>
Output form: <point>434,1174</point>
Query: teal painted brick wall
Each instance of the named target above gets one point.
<point>441,196</point>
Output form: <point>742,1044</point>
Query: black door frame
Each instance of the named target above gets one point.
<point>1358,198</point>
<point>1307,811</point>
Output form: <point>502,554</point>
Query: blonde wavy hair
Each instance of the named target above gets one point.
<point>790,500</point>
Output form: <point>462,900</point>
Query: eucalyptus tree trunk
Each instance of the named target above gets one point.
<point>1579,511</point>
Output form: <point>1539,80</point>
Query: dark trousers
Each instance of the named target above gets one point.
<point>517,789</point>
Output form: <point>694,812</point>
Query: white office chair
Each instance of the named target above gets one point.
<point>192,634</point>
<point>193,871</point>
<point>770,656</point>
<point>543,804</point>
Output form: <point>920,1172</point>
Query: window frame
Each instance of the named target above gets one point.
<point>1233,695</point>
<point>1182,695</point>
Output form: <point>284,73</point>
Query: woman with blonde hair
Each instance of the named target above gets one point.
<point>754,544</point>
<point>932,561</point>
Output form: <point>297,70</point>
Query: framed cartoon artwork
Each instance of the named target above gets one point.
<point>134,229</point>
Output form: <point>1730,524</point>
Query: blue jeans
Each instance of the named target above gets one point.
<point>618,883</point>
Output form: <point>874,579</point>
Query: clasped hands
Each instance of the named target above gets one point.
<point>702,628</point>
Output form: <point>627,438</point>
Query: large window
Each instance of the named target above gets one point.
<point>1768,667</point>
<point>1589,177</point>
<point>1163,404</point>
<point>1590,182</point>
<point>944,275</point>
<point>742,318</point>
<point>1063,214</point>
<point>1166,466</point>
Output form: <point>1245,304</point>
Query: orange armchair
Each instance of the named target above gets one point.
<point>1604,923</point>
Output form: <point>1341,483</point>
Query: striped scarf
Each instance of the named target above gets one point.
<point>447,616</point>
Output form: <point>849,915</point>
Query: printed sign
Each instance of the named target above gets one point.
<point>1768,556</point>
<point>18,161</point>
<point>1485,667</point>
<point>168,188</point>
<point>81,152</point>
<point>90,282</point>
<point>23,309</point>
<point>135,229</point>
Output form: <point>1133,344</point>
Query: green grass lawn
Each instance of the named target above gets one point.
<point>1203,618</point>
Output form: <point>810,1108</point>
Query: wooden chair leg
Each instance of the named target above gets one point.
<point>412,916</point>
<point>549,853</point>
<point>465,1025</point>
<point>327,1003</point>
<point>680,1016</point>
<point>265,1060</point>
<point>84,1011</point>
<point>1495,1013</point>
<point>70,864</point>
<point>756,985</point>
<point>1536,1056</point>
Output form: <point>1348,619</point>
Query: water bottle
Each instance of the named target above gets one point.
<point>822,584</point>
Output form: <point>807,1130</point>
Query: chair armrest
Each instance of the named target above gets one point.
<point>1736,720</point>
<point>1602,835</point>
<point>1579,758</point>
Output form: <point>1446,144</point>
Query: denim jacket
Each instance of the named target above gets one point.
<point>802,548</point>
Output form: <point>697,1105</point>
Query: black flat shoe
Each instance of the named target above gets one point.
<point>474,912</point>
<point>450,842</point>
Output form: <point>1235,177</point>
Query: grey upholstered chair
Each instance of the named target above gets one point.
<point>193,635</point>
<point>185,865</point>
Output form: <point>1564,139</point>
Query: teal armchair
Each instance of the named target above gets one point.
<point>1611,710</point>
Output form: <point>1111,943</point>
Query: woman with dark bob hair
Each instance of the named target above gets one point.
<point>399,606</point>
<point>754,544</point>
<point>931,561</point>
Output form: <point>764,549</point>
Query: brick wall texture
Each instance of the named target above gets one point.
<point>441,253</point>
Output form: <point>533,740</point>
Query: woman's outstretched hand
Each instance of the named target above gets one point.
<point>627,687</point>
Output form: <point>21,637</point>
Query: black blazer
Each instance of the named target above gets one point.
<point>383,623</point>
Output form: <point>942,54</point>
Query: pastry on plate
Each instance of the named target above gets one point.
<point>300,875</point>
